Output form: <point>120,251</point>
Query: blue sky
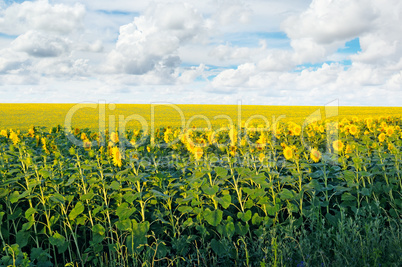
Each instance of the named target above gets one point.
<point>265,52</point>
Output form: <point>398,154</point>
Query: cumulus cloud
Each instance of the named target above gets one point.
<point>231,11</point>
<point>326,25</point>
<point>42,16</point>
<point>38,44</point>
<point>151,41</point>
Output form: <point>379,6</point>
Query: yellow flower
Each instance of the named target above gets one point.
<point>87,144</point>
<point>116,155</point>
<point>114,137</point>
<point>348,149</point>
<point>390,130</point>
<point>4,133</point>
<point>321,128</point>
<point>296,130</point>
<point>233,136</point>
<point>262,141</point>
<point>197,151</point>
<point>353,129</point>
<point>31,132</point>
<point>338,145</point>
<point>288,153</point>
<point>14,138</point>
<point>381,137</point>
<point>233,150</point>
<point>261,157</point>
<point>148,149</point>
<point>167,137</point>
<point>315,155</point>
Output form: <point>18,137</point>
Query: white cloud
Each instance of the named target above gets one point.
<point>151,41</point>
<point>38,44</point>
<point>40,15</point>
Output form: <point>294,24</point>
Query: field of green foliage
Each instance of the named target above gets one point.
<point>324,194</point>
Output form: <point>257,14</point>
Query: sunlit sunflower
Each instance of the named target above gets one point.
<point>4,133</point>
<point>353,130</point>
<point>389,130</point>
<point>14,137</point>
<point>87,144</point>
<point>197,152</point>
<point>381,137</point>
<point>114,137</point>
<point>233,136</point>
<point>288,153</point>
<point>261,157</point>
<point>315,155</point>
<point>116,155</point>
<point>338,145</point>
<point>31,132</point>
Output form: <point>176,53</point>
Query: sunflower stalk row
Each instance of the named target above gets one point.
<point>244,195</point>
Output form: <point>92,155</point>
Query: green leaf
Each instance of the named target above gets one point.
<point>29,212</point>
<point>87,196</point>
<point>57,239</point>
<point>210,190</point>
<point>22,238</point>
<point>123,225</point>
<point>213,217</point>
<point>221,172</point>
<point>98,229</point>
<point>225,201</point>
<point>286,194</point>
<point>57,198</point>
<point>138,239</point>
<point>77,210</point>
<point>124,212</point>
<point>45,174</point>
<point>130,197</point>
<point>256,220</point>
<point>115,185</point>
<point>3,192</point>
<point>241,229</point>
<point>348,197</point>
<point>349,175</point>
<point>217,247</point>
<point>245,217</point>
<point>14,197</point>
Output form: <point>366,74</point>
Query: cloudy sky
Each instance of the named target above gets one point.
<point>281,52</point>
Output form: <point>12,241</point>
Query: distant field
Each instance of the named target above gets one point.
<point>22,116</point>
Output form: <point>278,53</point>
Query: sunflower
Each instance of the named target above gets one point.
<point>4,133</point>
<point>261,157</point>
<point>116,155</point>
<point>233,136</point>
<point>114,137</point>
<point>197,151</point>
<point>353,130</point>
<point>338,145</point>
<point>288,153</point>
<point>315,155</point>
<point>14,137</point>
<point>87,144</point>
<point>168,135</point>
<point>31,132</point>
<point>381,137</point>
<point>390,130</point>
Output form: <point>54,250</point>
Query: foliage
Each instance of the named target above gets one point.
<point>327,193</point>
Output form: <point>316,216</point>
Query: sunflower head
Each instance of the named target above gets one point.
<point>288,153</point>
<point>315,155</point>
<point>338,145</point>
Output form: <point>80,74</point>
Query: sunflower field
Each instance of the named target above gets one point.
<point>326,193</point>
